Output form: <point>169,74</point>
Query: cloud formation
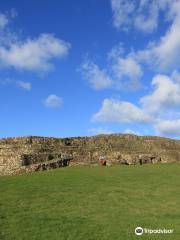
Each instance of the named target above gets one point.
<point>3,21</point>
<point>165,95</point>
<point>32,54</point>
<point>53,101</point>
<point>168,128</point>
<point>121,73</point>
<point>142,15</point>
<point>24,85</point>
<point>98,78</point>
<point>159,108</point>
<point>127,72</point>
<point>122,112</point>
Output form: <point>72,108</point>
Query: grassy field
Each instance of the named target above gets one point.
<point>91,203</point>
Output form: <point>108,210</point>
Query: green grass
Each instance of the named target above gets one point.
<point>91,203</point>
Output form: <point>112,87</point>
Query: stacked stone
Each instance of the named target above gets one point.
<point>24,154</point>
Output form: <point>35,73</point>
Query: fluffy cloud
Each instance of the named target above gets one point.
<point>123,112</point>
<point>3,21</point>
<point>163,55</point>
<point>147,23</point>
<point>158,109</point>
<point>122,9</point>
<point>98,78</point>
<point>122,72</point>
<point>116,52</point>
<point>168,128</point>
<point>166,94</point>
<point>53,101</point>
<point>24,85</point>
<point>128,72</point>
<point>167,51</point>
<point>34,54</point>
<point>141,14</point>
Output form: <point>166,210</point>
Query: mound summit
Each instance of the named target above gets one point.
<point>32,153</point>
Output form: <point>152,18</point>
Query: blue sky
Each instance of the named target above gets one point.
<point>76,68</point>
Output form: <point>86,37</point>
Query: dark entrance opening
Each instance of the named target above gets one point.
<point>26,160</point>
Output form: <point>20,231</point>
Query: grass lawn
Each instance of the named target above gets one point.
<point>91,203</point>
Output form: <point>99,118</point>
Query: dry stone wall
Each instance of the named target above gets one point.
<point>26,154</point>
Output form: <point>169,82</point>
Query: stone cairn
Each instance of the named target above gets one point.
<point>27,154</point>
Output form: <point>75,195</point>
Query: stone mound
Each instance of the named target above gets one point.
<point>26,154</point>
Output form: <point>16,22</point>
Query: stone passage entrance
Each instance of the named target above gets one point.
<point>42,163</point>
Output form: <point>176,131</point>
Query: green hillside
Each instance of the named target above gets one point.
<point>91,203</point>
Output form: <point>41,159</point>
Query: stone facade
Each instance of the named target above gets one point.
<point>26,154</point>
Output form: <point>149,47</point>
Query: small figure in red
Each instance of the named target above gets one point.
<point>102,161</point>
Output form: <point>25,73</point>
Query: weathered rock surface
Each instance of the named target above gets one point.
<point>26,154</point>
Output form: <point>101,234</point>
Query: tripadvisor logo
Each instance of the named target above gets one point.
<point>139,231</point>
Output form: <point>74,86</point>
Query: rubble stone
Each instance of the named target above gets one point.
<point>26,154</point>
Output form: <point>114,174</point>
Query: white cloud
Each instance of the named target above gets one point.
<point>163,55</point>
<point>167,51</point>
<point>24,85</point>
<point>122,9</point>
<point>168,128</point>
<point>121,73</point>
<point>128,71</point>
<point>122,112</point>
<point>147,22</point>
<point>53,101</point>
<point>166,94</point>
<point>98,78</point>
<point>3,21</point>
<point>141,14</point>
<point>125,72</point>
<point>145,26</point>
<point>158,109</point>
<point>116,52</point>
<point>7,35</point>
<point>34,54</point>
